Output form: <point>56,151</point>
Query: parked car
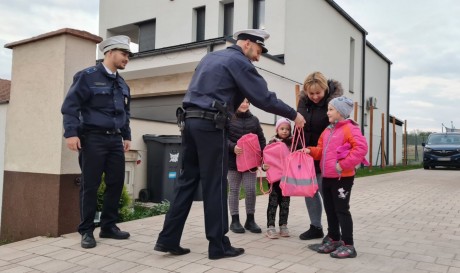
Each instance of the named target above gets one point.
<point>441,149</point>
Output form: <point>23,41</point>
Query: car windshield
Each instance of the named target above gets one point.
<point>444,139</point>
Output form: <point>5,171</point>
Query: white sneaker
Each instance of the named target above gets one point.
<point>284,231</point>
<point>271,233</point>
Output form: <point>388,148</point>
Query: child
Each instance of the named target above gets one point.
<point>275,199</point>
<point>242,122</point>
<point>338,169</point>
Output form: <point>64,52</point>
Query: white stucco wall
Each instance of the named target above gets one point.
<point>376,83</point>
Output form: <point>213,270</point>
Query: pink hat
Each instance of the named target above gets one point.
<point>281,121</point>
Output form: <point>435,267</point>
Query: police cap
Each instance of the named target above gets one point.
<point>120,42</point>
<point>257,36</point>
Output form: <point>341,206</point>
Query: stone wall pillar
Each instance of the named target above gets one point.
<point>40,197</point>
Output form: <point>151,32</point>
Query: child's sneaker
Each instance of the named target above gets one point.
<point>342,252</point>
<point>315,247</point>
<point>271,233</point>
<point>284,231</point>
<point>329,246</point>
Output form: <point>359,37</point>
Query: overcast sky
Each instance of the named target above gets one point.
<point>420,37</point>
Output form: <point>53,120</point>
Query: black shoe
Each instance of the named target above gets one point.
<point>177,250</point>
<point>237,227</point>
<point>231,252</point>
<point>88,241</point>
<point>312,233</point>
<point>251,224</point>
<point>253,227</point>
<point>114,233</point>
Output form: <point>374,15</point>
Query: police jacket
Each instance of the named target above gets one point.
<point>228,76</point>
<point>97,100</point>
<point>240,124</point>
<point>315,114</point>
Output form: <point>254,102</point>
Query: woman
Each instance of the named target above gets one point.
<point>242,122</point>
<point>317,93</point>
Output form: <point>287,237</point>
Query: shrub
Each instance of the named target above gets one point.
<point>125,199</point>
<point>140,211</point>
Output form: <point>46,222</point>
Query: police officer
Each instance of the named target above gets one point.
<point>96,122</point>
<point>223,79</point>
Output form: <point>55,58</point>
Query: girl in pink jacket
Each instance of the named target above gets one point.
<point>341,147</point>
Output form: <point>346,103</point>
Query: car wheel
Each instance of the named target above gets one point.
<point>426,167</point>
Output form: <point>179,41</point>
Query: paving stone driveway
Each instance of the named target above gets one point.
<point>404,222</point>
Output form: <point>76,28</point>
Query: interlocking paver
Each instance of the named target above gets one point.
<point>407,222</point>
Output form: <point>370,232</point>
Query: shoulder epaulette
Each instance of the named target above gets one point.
<point>91,70</point>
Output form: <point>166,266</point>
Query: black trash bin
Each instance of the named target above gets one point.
<point>163,167</point>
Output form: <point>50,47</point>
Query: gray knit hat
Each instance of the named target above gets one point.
<point>343,105</point>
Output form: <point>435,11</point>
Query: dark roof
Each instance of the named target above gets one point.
<point>5,87</point>
<point>346,16</point>
<point>397,121</point>
<point>378,52</point>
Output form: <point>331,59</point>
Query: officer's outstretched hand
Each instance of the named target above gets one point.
<point>73,143</point>
<point>299,120</point>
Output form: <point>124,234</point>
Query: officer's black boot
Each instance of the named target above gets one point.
<point>236,226</point>
<point>251,224</point>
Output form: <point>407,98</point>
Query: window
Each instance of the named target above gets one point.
<point>259,14</point>
<point>147,31</point>
<point>158,108</point>
<point>228,19</point>
<point>351,75</point>
<point>200,23</point>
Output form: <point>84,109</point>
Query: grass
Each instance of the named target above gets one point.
<point>376,170</point>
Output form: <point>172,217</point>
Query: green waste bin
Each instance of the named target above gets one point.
<point>163,168</point>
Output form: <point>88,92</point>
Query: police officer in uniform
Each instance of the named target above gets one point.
<point>221,81</point>
<point>96,122</point>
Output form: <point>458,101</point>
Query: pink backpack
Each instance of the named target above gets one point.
<point>299,178</point>
<point>275,155</point>
<point>251,156</point>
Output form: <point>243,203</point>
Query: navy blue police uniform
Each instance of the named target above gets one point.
<point>226,77</point>
<point>96,109</point>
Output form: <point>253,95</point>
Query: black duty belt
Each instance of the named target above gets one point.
<point>104,132</point>
<point>200,114</point>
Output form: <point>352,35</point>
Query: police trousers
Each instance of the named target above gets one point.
<point>204,158</point>
<point>100,154</point>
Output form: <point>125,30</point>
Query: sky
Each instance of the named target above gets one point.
<point>420,37</point>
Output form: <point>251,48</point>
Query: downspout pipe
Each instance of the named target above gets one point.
<point>363,82</point>
<point>388,117</point>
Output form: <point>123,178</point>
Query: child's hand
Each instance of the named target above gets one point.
<point>305,150</point>
<point>265,167</point>
<point>338,168</point>
<point>238,150</point>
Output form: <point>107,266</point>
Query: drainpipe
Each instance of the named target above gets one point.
<point>363,81</point>
<point>388,115</point>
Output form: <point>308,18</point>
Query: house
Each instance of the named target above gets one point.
<point>171,37</point>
